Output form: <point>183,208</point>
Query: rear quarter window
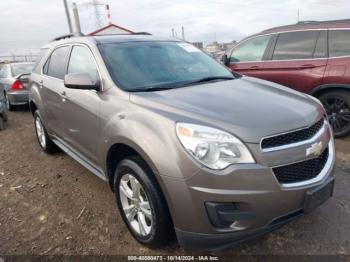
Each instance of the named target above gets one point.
<point>56,65</point>
<point>41,55</point>
<point>339,43</point>
<point>296,45</point>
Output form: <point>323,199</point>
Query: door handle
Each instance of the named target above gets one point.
<point>308,66</point>
<point>254,67</point>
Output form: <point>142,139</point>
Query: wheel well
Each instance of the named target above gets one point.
<point>321,91</point>
<point>32,107</point>
<point>117,153</point>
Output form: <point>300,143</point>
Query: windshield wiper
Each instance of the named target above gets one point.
<point>153,88</point>
<point>208,79</point>
<point>180,84</point>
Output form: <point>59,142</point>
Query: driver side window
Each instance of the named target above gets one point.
<point>82,62</point>
<point>250,50</point>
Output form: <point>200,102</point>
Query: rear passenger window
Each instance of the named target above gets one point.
<point>81,61</point>
<point>295,45</point>
<point>57,64</point>
<point>339,43</point>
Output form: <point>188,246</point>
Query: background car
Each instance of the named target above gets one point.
<point>3,114</point>
<point>311,57</point>
<point>14,79</point>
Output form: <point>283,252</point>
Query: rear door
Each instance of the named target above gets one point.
<point>338,67</point>
<point>248,57</point>
<point>80,108</point>
<point>298,60</point>
<point>52,88</point>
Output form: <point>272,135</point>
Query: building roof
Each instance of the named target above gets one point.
<point>111,27</point>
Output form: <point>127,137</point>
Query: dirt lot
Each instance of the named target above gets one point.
<point>52,205</point>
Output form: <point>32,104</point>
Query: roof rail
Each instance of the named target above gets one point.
<point>326,21</point>
<point>67,36</point>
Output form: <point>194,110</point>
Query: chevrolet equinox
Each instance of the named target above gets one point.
<point>187,146</point>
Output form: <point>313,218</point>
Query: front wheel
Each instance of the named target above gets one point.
<point>141,203</point>
<point>337,105</point>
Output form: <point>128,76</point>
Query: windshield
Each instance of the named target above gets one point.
<point>18,69</point>
<point>138,66</point>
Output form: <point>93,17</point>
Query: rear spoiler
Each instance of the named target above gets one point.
<point>23,76</point>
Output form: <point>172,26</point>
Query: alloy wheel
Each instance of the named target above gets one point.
<point>136,205</point>
<point>338,111</point>
<point>40,132</point>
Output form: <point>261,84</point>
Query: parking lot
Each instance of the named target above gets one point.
<point>52,205</point>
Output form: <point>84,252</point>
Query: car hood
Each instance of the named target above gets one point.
<point>248,107</point>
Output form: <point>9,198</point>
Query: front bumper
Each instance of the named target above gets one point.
<point>263,204</point>
<point>18,97</point>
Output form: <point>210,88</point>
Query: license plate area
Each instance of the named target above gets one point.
<point>317,196</point>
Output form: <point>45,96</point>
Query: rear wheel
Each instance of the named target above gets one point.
<point>8,104</point>
<point>5,116</point>
<point>141,203</point>
<point>43,138</point>
<point>337,105</point>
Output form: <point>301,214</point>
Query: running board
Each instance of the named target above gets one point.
<point>81,160</point>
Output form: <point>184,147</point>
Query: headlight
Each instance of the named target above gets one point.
<point>213,148</point>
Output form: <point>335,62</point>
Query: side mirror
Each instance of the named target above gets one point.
<point>81,81</point>
<point>225,60</point>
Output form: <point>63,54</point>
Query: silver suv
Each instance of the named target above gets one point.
<point>187,146</point>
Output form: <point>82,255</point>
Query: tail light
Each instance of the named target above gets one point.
<point>17,85</point>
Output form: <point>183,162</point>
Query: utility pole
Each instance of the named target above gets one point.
<point>76,18</point>
<point>298,16</point>
<point>97,15</point>
<point>172,32</point>
<point>108,14</point>
<point>68,17</point>
<point>183,32</point>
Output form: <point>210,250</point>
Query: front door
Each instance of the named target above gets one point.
<point>81,107</point>
<point>248,57</point>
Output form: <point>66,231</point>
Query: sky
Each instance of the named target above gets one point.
<point>26,25</point>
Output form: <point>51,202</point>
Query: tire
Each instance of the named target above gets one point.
<point>5,116</point>
<point>157,227</point>
<point>337,105</point>
<point>44,140</point>
<point>8,104</point>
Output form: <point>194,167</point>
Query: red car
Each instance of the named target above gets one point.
<point>311,57</point>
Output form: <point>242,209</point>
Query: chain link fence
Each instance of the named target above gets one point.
<point>18,58</point>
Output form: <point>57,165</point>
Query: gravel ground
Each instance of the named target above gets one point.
<point>52,205</point>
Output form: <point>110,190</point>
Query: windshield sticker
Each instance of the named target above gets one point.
<point>188,47</point>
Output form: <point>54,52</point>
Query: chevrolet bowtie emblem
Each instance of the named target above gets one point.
<point>315,149</point>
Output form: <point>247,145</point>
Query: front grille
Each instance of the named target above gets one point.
<point>292,137</point>
<point>301,171</point>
